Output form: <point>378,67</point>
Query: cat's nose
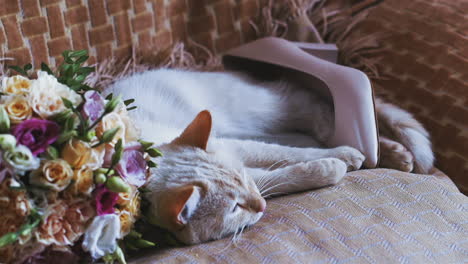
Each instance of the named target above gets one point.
<point>260,206</point>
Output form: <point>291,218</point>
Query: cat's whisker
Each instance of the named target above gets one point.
<point>263,180</point>
<point>263,190</point>
<point>273,187</point>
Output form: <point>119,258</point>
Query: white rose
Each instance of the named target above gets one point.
<point>101,236</point>
<point>21,159</point>
<point>46,95</point>
<point>15,85</point>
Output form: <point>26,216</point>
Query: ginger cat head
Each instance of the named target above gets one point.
<point>201,195</point>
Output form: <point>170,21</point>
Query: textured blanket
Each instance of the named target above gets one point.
<point>372,216</point>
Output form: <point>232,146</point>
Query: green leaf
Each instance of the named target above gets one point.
<point>131,108</point>
<point>68,104</point>
<point>18,69</point>
<point>70,123</point>
<point>62,116</point>
<point>80,78</point>
<point>129,101</point>
<point>151,164</point>
<point>69,60</point>
<point>153,152</point>
<point>109,135</point>
<point>65,136</point>
<point>78,53</point>
<point>112,104</point>
<point>45,67</point>
<point>141,243</point>
<point>85,70</point>
<point>145,144</point>
<point>27,67</point>
<point>82,59</point>
<point>109,96</point>
<point>4,120</point>
<point>117,154</point>
<point>52,153</point>
<point>66,53</point>
<point>8,238</point>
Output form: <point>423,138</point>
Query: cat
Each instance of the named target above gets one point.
<point>230,141</point>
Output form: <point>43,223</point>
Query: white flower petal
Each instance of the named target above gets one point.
<point>101,236</point>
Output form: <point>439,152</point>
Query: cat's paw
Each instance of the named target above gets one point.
<point>394,155</point>
<point>324,172</point>
<point>351,156</point>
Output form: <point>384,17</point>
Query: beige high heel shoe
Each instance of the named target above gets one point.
<point>349,89</point>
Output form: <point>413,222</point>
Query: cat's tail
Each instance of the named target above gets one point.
<point>399,125</point>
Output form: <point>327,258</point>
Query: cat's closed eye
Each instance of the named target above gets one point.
<point>236,208</point>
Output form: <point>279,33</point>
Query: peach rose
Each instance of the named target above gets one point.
<point>83,182</point>
<point>130,210</point>
<point>64,223</point>
<point>14,207</point>
<point>132,132</point>
<point>16,85</point>
<point>110,121</point>
<point>76,153</point>
<point>96,158</point>
<point>18,109</point>
<point>55,174</point>
<point>126,222</point>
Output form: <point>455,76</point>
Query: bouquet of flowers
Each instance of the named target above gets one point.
<point>71,165</point>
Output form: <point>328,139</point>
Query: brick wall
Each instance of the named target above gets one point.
<point>426,57</point>
<point>39,30</point>
<point>425,53</point>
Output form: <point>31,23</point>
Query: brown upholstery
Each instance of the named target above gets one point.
<point>425,56</point>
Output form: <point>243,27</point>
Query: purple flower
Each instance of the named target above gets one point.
<point>36,134</point>
<point>94,105</point>
<point>132,166</point>
<point>105,200</point>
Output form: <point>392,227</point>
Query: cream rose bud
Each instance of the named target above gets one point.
<point>16,85</point>
<point>21,158</point>
<point>46,95</point>
<point>77,153</point>
<point>111,121</point>
<point>17,108</point>
<point>7,142</point>
<point>54,174</point>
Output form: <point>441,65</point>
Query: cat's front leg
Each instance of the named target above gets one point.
<point>298,177</point>
<point>351,156</point>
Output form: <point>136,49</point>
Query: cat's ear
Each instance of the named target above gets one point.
<point>177,206</point>
<point>197,133</point>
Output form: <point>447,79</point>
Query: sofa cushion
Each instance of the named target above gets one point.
<point>372,216</point>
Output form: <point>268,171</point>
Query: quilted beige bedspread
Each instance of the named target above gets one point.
<point>372,216</point>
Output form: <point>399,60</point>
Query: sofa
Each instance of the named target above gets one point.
<point>415,53</point>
